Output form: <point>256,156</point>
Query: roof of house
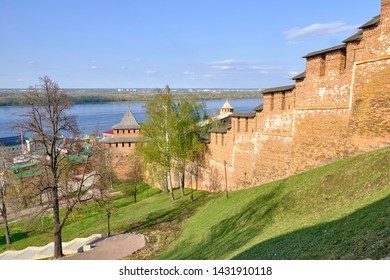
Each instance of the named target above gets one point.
<point>333,49</point>
<point>108,132</point>
<point>227,105</point>
<point>259,108</point>
<point>243,115</point>
<point>128,122</point>
<point>220,129</point>
<point>278,89</point>
<point>11,141</point>
<point>17,167</point>
<point>28,173</point>
<point>300,76</point>
<point>122,140</point>
<point>356,37</point>
<point>374,21</point>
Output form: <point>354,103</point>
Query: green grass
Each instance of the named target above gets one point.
<point>338,211</point>
<point>89,218</point>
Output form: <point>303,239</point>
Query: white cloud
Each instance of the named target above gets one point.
<point>93,67</point>
<point>319,30</point>
<point>226,61</point>
<point>150,72</point>
<point>222,67</point>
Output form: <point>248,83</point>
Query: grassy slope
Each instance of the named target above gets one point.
<point>154,214</point>
<point>338,211</point>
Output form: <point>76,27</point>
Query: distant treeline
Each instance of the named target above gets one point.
<point>17,99</point>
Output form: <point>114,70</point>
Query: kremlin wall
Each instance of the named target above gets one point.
<point>339,107</point>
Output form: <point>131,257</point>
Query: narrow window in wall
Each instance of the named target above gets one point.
<point>116,145</point>
<point>238,124</point>
<point>283,101</point>
<point>129,144</point>
<point>123,145</point>
<point>246,124</point>
<point>343,61</point>
<point>123,131</point>
<point>322,65</point>
<point>222,140</point>
<point>128,131</point>
<point>216,138</point>
<point>272,102</point>
<point>117,131</point>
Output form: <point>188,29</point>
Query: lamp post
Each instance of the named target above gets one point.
<point>192,190</point>
<point>226,186</point>
<point>108,223</point>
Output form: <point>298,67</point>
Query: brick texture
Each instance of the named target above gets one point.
<point>341,108</point>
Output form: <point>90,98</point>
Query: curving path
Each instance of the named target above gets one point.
<point>114,247</point>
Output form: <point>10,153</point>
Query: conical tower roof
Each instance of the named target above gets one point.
<point>227,105</point>
<point>128,122</point>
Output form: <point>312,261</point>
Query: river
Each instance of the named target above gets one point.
<point>101,117</point>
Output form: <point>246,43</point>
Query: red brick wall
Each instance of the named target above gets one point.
<point>336,111</point>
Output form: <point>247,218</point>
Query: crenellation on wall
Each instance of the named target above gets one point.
<point>340,106</point>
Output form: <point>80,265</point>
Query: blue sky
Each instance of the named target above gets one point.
<point>151,43</point>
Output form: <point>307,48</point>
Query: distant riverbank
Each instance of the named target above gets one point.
<point>100,96</point>
<point>101,117</point>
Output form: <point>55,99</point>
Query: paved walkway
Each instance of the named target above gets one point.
<point>47,251</point>
<point>112,248</point>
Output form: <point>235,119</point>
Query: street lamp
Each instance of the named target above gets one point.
<point>108,223</point>
<point>192,190</point>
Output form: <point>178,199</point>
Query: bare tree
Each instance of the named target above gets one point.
<point>66,175</point>
<point>135,173</point>
<point>8,194</point>
<point>103,166</point>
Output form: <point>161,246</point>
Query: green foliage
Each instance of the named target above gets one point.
<point>158,129</point>
<point>172,131</point>
<point>187,115</point>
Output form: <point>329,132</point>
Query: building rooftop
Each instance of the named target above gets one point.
<point>220,129</point>
<point>356,37</point>
<point>300,76</point>
<point>128,122</point>
<point>11,141</point>
<point>227,105</point>
<point>333,49</point>
<point>243,115</point>
<point>122,140</point>
<point>259,108</point>
<point>278,89</point>
<point>374,21</point>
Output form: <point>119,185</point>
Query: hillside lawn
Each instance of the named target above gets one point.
<point>337,211</point>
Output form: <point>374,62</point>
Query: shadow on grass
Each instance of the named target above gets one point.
<point>230,233</point>
<point>14,237</point>
<point>361,235</point>
<point>181,209</point>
